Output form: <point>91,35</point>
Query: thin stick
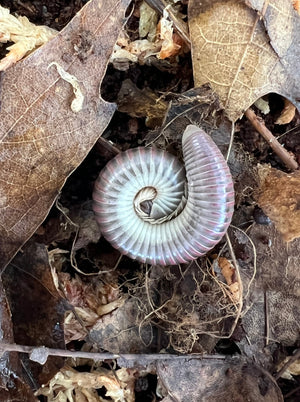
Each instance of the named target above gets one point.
<point>159,6</point>
<point>281,152</point>
<point>293,391</point>
<point>254,258</point>
<point>291,360</point>
<point>6,347</point>
<point>239,280</point>
<point>267,324</point>
<point>230,142</point>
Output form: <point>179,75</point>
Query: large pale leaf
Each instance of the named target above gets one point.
<point>231,379</point>
<point>242,55</point>
<point>42,139</point>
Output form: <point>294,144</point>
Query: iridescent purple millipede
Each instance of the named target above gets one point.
<point>139,187</point>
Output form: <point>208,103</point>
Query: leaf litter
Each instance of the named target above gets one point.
<point>25,35</point>
<point>41,137</point>
<point>115,305</point>
<point>245,50</point>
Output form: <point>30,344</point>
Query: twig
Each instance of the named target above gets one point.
<point>230,142</point>
<point>292,392</point>
<point>6,347</point>
<point>291,360</point>
<point>267,324</point>
<point>281,152</point>
<point>294,130</point>
<point>73,261</point>
<point>183,113</point>
<point>159,6</point>
<point>239,280</point>
<point>254,258</point>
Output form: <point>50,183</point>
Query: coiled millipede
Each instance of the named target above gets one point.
<point>140,206</point>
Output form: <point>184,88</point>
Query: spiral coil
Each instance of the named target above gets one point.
<point>140,206</point>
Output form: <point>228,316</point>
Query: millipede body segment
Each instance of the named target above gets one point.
<point>137,192</point>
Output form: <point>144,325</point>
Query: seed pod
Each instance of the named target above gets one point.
<point>140,206</point>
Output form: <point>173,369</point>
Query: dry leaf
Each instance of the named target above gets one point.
<point>91,300</point>
<point>194,105</point>
<point>292,370</point>
<point>119,385</point>
<point>23,33</point>
<point>243,56</point>
<point>77,330</point>
<point>296,5</point>
<point>162,43</point>
<point>228,271</point>
<point>279,199</point>
<point>90,293</point>
<point>109,307</point>
<point>165,29</point>
<point>231,379</point>
<point>262,105</point>
<point>276,286</point>
<point>141,103</point>
<point>42,139</point>
<point>148,21</point>
<point>118,332</point>
<point>287,114</point>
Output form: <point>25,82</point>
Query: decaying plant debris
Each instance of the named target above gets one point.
<point>25,35</point>
<point>95,325</point>
<point>279,199</point>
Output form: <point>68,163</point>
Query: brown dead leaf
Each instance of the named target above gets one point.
<point>276,289</point>
<point>194,105</point>
<point>157,40</point>
<point>147,22</point>
<point>287,114</point>
<point>140,103</point>
<point>292,370</point>
<point>228,271</point>
<point>118,332</point>
<point>77,329</point>
<point>296,5</point>
<point>279,199</point>
<point>91,293</point>
<point>42,139</point>
<point>90,298</point>
<point>109,307</point>
<point>169,47</point>
<point>233,379</point>
<point>242,55</point>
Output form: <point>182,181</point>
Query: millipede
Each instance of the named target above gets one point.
<point>156,210</point>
